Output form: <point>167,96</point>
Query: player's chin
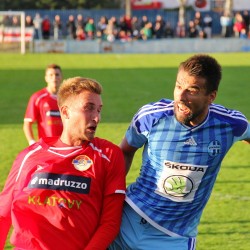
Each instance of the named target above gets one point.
<point>182,118</point>
<point>90,135</point>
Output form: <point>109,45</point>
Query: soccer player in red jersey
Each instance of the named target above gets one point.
<point>42,107</point>
<point>66,192</point>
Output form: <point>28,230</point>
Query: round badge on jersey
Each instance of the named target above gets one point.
<point>82,162</point>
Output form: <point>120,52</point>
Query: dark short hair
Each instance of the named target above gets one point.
<point>206,67</point>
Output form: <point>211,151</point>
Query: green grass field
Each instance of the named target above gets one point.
<point>130,81</point>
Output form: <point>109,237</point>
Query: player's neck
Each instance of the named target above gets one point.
<point>72,142</point>
<point>52,92</point>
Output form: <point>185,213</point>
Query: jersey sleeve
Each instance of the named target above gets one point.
<point>115,182</point>
<point>32,110</point>
<point>246,134</point>
<point>114,196</point>
<point>6,198</point>
<point>139,128</point>
<point>240,125</point>
<point>144,120</point>
<point>109,223</point>
<point>114,169</point>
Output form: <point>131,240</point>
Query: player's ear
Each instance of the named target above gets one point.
<point>46,78</point>
<point>64,110</point>
<point>213,96</point>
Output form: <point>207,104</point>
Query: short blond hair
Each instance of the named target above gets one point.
<point>74,86</point>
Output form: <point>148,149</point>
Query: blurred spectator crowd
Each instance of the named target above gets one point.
<point>128,28</point>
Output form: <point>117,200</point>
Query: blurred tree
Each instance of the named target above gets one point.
<point>62,4</point>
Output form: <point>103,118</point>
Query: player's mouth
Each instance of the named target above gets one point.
<point>182,108</point>
<point>92,129</point>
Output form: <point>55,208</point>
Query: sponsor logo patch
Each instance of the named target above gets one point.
<point>179,182</point>
<point>191,141</point>
<point>178,186</point>
<point>71,183</point>
<point>53,113</point>
<point>53,201</point>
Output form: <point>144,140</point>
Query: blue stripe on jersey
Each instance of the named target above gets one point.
<point>195,153</point>
<point>191,243</point>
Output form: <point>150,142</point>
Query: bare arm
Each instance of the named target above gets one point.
<point>28,132</point>
<point>248,132</point>
<point>247,141</point>
<point>128,152</point>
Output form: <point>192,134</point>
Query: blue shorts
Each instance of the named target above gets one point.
<point>137,234</point>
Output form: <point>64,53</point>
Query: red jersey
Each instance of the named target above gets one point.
<point>54,195</point>
<point>43,109</point>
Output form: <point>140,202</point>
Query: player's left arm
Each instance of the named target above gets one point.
<point>128,152</point>
<point>114,195</point>
<point>109,224</point>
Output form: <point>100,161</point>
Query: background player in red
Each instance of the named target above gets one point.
<point>66,192</point>
<point>43,109</point>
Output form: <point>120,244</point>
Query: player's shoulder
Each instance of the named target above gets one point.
<point>40,93</point>
<point>102,144</point>
<point>28,151</point>
<point>226,113</point>
<point>105,148</point>
<point>162,103</point>
<point>235,118</point>
<point>156,109</point>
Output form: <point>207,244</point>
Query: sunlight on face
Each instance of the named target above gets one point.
<point>84,115</point>
<point>53,79</point>
<point>191,100</point>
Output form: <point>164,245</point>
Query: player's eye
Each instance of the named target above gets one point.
<point>178,86</point>
<point>88,108</point>
<point>193,91</point>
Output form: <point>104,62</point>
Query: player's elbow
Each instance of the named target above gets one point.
<point>247,141</point>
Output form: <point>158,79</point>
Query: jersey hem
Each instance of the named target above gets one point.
<point>153,223</point>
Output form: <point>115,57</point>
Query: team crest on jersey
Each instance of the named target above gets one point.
<point>82,162</point>
<point>214,148</point>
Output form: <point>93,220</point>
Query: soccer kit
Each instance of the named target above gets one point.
<point>43,109</point>
<point>179,168</point>
<point>54,196</point>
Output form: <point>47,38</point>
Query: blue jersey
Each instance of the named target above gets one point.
<point>180,163</point>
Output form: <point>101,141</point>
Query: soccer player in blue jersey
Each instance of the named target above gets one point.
<point>184,142</point>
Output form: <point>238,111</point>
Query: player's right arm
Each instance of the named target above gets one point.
<point>247,140</point>
<point>5,223</point>
<point>137,133</point>
<point>5,209</point>
<point>28,131</point>
<point>6,198</point>
<point>31,116</point>
<point>128,152</point>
